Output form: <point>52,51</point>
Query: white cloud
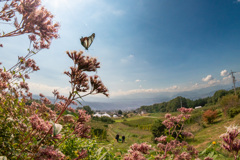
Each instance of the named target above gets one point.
<point>173,88</point>
<point>142,90</point>
<point>138,80</point>
<point>46,90</point>
<point>127,59</point>
<point>208,78</point>
<point>214,81</point>
<point>227,78</point>
<point>224,72</point>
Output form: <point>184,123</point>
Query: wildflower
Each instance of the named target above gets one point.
<point>231,143</point>
<point>143,148</point>
<point>167,115</point>
<point>83,116</point>
<point>161,139</point>
<point>213,142</point>
<point>81,130</point>
<point>49,153</point>
<point>39,124</point>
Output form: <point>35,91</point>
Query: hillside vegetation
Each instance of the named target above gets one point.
<point>174,104</point>
<point>139,129</point>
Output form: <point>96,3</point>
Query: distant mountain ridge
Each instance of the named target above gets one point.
<point>131,103</point>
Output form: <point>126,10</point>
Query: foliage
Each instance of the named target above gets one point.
<point>88,110</point>
<point>174,104</point>
<point>232,112</point>
<point>143,123</point>
<point>105,119</point>
<point>100,133</point>
<point>213,151</point>
<point>228,102</point>
<point>168,147</point>
<point>196,118</point>
<point>158,128</point>
<point>210,115</point>
<point>120,112</point>
<point>72,147</point>
<point>218,95</point>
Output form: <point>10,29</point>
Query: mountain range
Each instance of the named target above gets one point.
<point>135,101</point>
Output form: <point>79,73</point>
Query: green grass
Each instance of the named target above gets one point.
<point>128,119</point>
<point>204,134</point>
<point>213,131</point>
<point>132,134</point>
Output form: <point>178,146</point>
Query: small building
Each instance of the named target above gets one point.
<point>115,116</point>
<point>97,115</point>
<point>106,115</point>
<point>143,112</point>
<point>197,107</point>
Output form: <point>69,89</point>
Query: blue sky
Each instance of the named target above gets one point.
<point>144,46</point>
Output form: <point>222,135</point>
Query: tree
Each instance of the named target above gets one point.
<point>209,116</point>
<point>218,94</point>
<point>158,128</point>
<point>228,102</point>
<point>120,112</point>
<point>88,110</point>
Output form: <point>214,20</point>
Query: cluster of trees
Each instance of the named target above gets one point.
<point>174,104</point>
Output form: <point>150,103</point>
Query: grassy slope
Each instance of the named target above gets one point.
<point>203,136</point>
<point>213,131</point>
<point>132,134</point>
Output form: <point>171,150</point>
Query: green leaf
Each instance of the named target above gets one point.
<point>211,154</point>
<point>103,156</point>
<point>215,156</point>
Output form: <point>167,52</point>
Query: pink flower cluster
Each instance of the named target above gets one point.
<point>81,130</point>
<point>34,19</point>
<point>39,124</point>
<point>49,153</point>
<point>134,155</point>
<point>231,143</point>
<point>137,150</point>
<point>177,148</point>
<point>143,147</point>
<point>185,110</point>
<point>80,81</point>
<point>83,117</point>
<point>161,139</point>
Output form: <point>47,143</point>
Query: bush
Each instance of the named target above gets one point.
<point>209,116</point>
<point>71,147</point>
<point>158,128</point>
<point>195,118</point>
<point>228,102</point>
<point>99,132</point>
<point>233,112</point>
<point>104,119</point>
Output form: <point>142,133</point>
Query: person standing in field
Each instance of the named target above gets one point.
<point>123,138</point>
<point>117,137</point>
